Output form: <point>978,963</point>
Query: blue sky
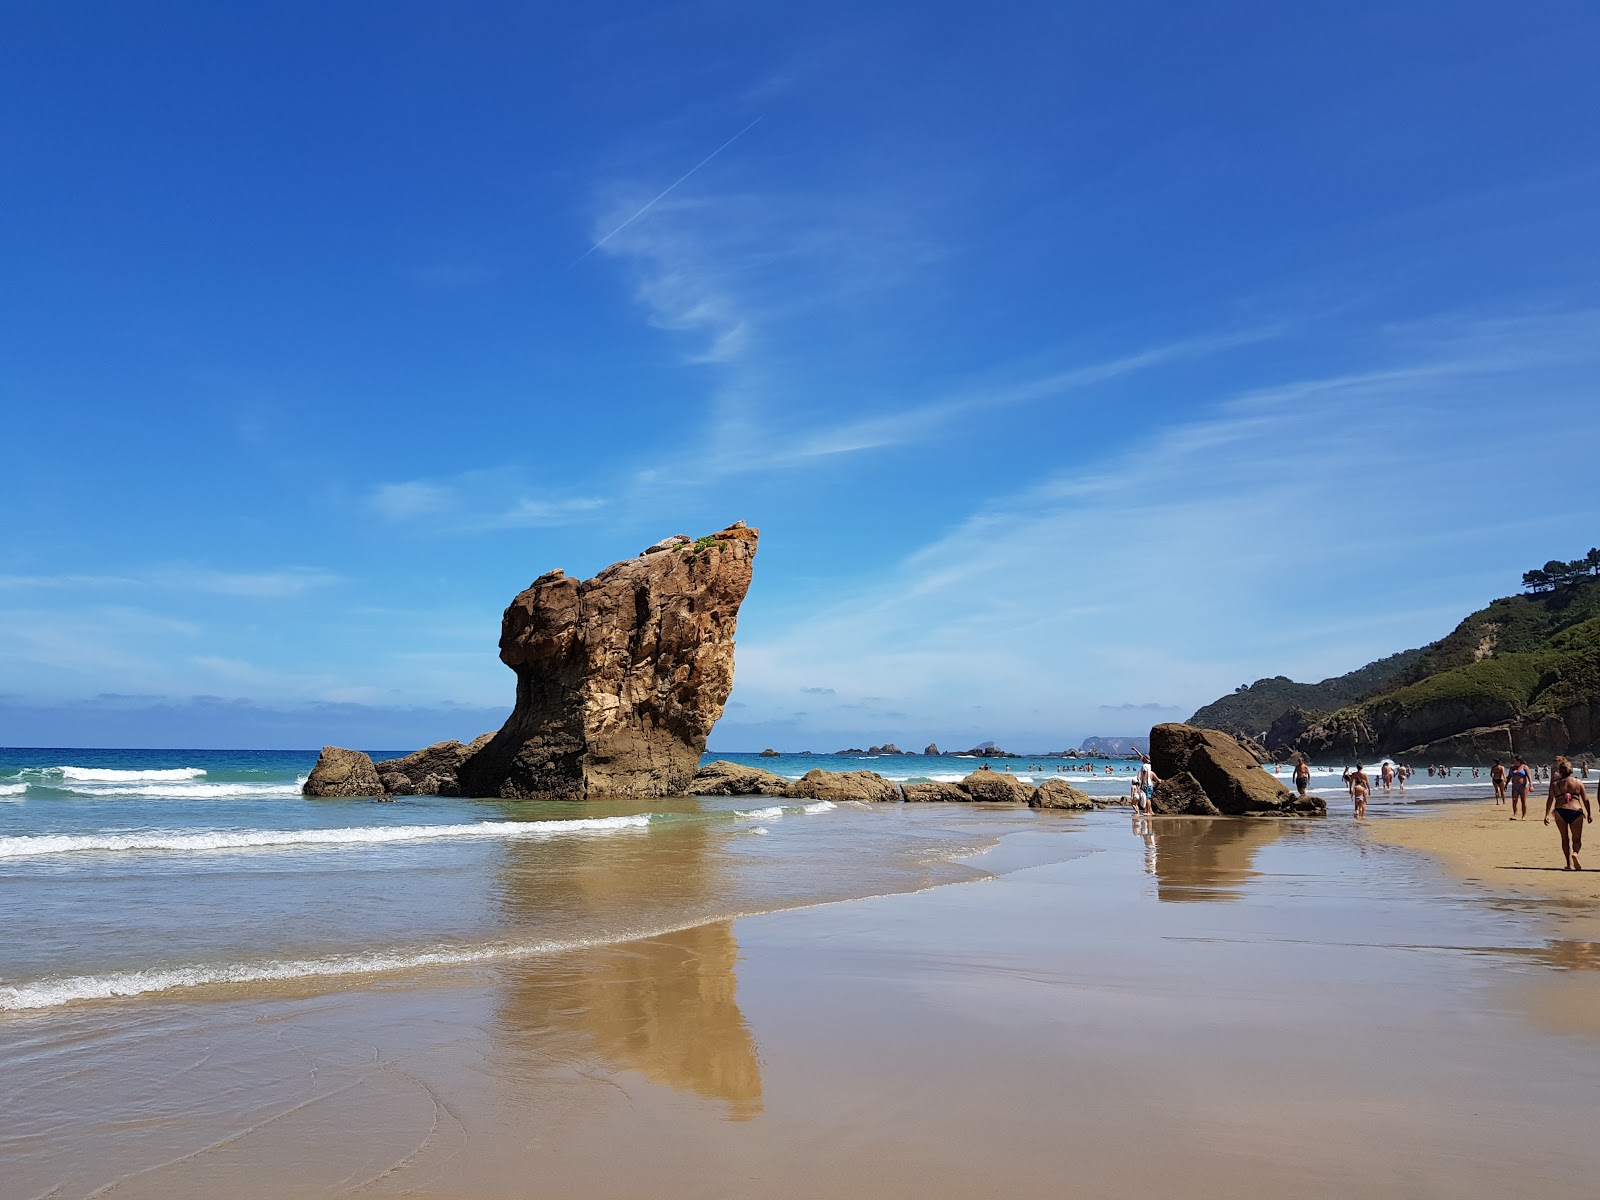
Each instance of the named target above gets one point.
<point>1078,362</point>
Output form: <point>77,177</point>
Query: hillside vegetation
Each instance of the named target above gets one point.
<point>1254,708</point>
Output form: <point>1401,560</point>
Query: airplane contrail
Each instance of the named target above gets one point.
<point>665,192</point>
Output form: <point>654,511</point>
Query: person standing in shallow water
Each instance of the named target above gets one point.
<point>1520,778</point>
<point>1568,802</point>
<point>1302,775</point>
<point>1360,787</point>
<point>1497,776</point>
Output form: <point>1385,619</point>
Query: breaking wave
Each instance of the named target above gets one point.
<point>267,839</point>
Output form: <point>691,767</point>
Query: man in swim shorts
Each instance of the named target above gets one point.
<point>1520,779</point>
<point>1302,775</point>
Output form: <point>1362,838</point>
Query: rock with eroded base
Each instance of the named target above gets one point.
<point>1182,795</point>
<point>934,792</point>
<point>620,678</point>
<point>341,774</point>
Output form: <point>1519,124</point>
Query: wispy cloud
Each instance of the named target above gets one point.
<point>289,581</point>
<point>477,501</point>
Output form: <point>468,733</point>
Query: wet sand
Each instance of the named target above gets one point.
<point>1478,841</point>
<point>1200,1008</point>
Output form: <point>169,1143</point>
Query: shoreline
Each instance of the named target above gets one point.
<point>1477,842</point>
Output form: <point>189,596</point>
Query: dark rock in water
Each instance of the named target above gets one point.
<point>934,792</point>
<point>769,752</point>
<point>996,787</point>
<point>1471,746</point>
<point>431,771</point>
<point>341,773</point>
<point>844,785</point>
<point>886,748</point>
<point>1231,778</point>
<point>620,678</point>
<point>933,748</point>
<point>851,750</point>
<point>723,778</point>
<point>1180,795</point>
<point>1058,793</point>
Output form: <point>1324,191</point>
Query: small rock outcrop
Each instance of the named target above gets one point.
<point>933,748</point>
<point>996,787</point>
<point>620,678</point>
<point>769,752</point>
<point>1226,772</point>
<point>933,792</point>
<point>723,778</point>
<point>867,786</point>
<point>431,771</point>
<point>342,773</point>
<point>1058,793</point>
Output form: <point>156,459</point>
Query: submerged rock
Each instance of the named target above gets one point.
<point>866,786</point>
<point>1225,771</point>
<point>620,678</point>
<point>723,778</point>
<point>342,773</point>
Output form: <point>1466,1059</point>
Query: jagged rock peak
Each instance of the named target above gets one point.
<point>621,677</point>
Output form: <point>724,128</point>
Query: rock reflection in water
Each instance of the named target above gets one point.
<point>1204,858</point>
<point>663,1005</point>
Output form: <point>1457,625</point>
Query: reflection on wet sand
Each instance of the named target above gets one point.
<point>1203,858</point>
<point>662,1005</point>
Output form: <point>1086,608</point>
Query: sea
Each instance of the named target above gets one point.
<point>134,873</point>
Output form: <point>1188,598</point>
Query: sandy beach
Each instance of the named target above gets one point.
<point>1212,1007</point>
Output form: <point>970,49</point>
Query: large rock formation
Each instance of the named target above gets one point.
<point>341,773</point>
<point>1181,794</point>
<point>1225,771</point>
<point>620,677</point>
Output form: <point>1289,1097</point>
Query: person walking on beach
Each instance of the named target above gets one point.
<point>1146,781</point>
<point>1302,775</point>
<point>1360,787</point>
<point>1520,777</point>
<point>1349,780</point>
<point>1568,802</point>
<point>1386,773</point>
<point>1497,776</point>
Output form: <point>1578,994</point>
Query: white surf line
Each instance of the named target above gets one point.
<point>250,839</point>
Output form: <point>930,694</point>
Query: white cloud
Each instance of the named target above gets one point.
<point>410,500</point>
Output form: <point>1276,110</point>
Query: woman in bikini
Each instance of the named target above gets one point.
<point>1569,804</point>
<point>1519,787</point>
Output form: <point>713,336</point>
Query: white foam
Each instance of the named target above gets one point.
<point>187,791</point>
<point>262,839</point>
<point>12,789</point>
<point>821,806</point>
<point>103,775</point>
<point>761,814</point>
<point>52,993</point>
